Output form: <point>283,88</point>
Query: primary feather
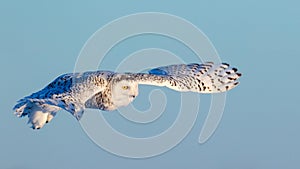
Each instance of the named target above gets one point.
<point>107,90</point>
<point>201,78</point>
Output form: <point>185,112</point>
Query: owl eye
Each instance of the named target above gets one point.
<point>125,87</point>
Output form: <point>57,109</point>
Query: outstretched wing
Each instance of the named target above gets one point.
<point>68,91</point>
<point>201,78</point>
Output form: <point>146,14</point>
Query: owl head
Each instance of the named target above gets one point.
<point>123,91</point>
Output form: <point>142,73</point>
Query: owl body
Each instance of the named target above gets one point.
<point>118,92</point>
<point>106,90</point>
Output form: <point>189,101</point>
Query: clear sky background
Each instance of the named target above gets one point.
<point>260,125</point>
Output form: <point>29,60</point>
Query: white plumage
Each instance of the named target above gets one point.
<point>105,90</point>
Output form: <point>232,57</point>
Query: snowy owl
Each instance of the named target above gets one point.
<point>106,90</point>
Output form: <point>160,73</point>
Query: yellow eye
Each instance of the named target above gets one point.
<point>125,87</point>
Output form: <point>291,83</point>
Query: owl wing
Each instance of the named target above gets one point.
<point>68,92</point>
<point>201,78</point>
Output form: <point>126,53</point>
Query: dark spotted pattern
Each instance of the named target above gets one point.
<point>102,100</point>
<point>68,91</point>
<point>76,91</point>
<point>201,78</point>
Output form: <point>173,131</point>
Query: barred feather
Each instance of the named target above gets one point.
<point>105,90</point>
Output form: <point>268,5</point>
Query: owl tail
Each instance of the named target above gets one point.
<point>38,114</point>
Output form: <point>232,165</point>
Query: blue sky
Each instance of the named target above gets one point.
<point>260,125</point>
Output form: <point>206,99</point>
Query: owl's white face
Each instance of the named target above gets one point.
<point>124,92</point>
